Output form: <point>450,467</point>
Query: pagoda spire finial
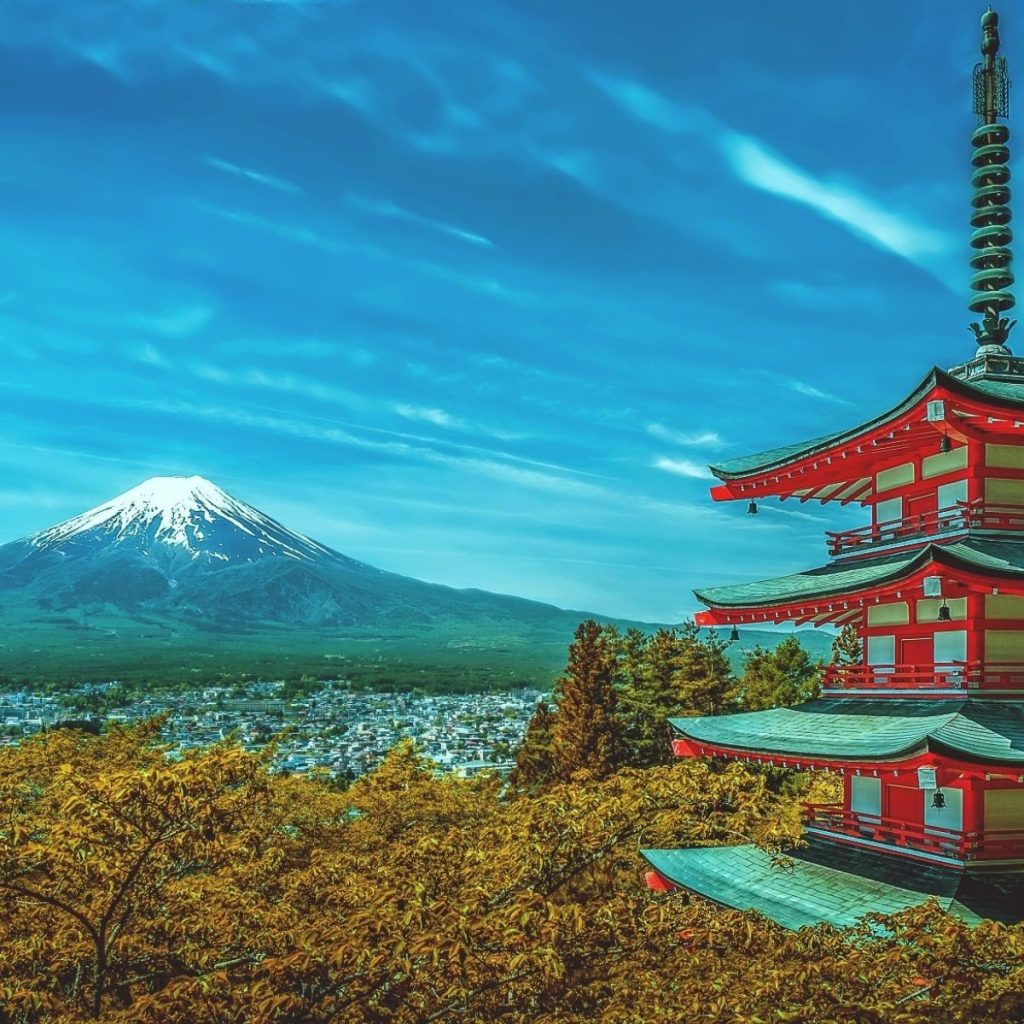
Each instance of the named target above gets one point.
<point>991,199</point>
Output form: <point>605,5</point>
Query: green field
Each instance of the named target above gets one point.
<point>58,651</point>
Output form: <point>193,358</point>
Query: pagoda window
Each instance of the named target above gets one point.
<point>1004,456</point>
<point>896,614</point>
<point>897,476</point>
<point>1004,606</point>
<point>889,510</point>
<point>1004,809</point>
<point>949,646</point>
<point>881,651</point>
<point>948,816</point>
<point>1000,491</point>
<point>951,493</point>
<point>1004,645</point>
<point>943,462</point>
<point>928,609</point>
<point>866,796</point>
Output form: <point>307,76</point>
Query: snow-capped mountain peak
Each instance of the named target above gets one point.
<point>190,514</point>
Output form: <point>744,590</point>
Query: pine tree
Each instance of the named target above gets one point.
<point>586,729</point>
<point>704,676</point>
<point>534,767</point>
<point>847,648</point>
<point>778,678</point>
<point>649,695</point>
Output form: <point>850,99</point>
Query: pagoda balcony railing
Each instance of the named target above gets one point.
<point>990,844</point>
<point>952,675</point>
<point>964,515</point>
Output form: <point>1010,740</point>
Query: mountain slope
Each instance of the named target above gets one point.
<point>182,546</point>
<point>179,574</point>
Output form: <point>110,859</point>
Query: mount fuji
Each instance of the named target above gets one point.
<point>176,579</point>
<point>182,545</point>
<point>178,563</point>
<point>181,519</point>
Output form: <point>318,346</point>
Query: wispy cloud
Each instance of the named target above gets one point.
<point>149,355</point>
<point>645,104</point>
<point>300,235</point>
<point>426,414</point>
<point>288,383</point>
<point>803,388</point>
<point>303,348</point>
<point>176,322</point>
<point>260,178</point>
<point>688,439</point>
<point>292,426</point>
<point>171,321</point>
<point>384,208</point>
<point>682,467</point>
<point>829,295</point>
<point>756,165</point>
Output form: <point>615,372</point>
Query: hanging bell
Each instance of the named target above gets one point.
<point>938,800</point>
<point>735,634</point>
<point>752,509</point>
<point>944,615</point>
<point>945,445</point>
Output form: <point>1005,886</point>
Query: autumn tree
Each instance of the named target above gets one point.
<point>586,733</point>
<point>106,845</point>
<point>779,677</point>
<point>420,898</point>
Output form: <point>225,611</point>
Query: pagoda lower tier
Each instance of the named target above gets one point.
<point>933,805</point>
<point>822,883</point>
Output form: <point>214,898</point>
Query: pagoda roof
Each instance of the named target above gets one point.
<point>869,731</point>
<point>828,883</point>
<point>1004,392</point>
<point>840,465</point>
<point>971,556</point>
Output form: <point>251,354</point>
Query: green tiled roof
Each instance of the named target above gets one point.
<point>839,578</point>
<point>855,729</point>
<point>1006,392</point>
<point>838,885</point>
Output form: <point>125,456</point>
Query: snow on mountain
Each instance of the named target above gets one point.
<point>188,514</point>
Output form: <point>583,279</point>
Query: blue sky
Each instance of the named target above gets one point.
<point>474,291</point>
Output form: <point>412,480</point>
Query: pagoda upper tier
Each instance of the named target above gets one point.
<point>978,402</point>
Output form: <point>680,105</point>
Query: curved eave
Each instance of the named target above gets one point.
<point>969,562</point>
<point>865,732</point>
<point>777,458</point>
<point>852,456</point>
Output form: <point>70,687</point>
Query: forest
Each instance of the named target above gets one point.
<point>143,885</point>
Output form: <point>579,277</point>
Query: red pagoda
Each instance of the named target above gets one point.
<point>927,731</point>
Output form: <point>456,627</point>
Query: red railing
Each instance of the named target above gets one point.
<point>955,675</point>
<point>976,515</point>
<point>997,844</point>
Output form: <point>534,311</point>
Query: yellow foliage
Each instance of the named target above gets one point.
<point>140,888</point>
